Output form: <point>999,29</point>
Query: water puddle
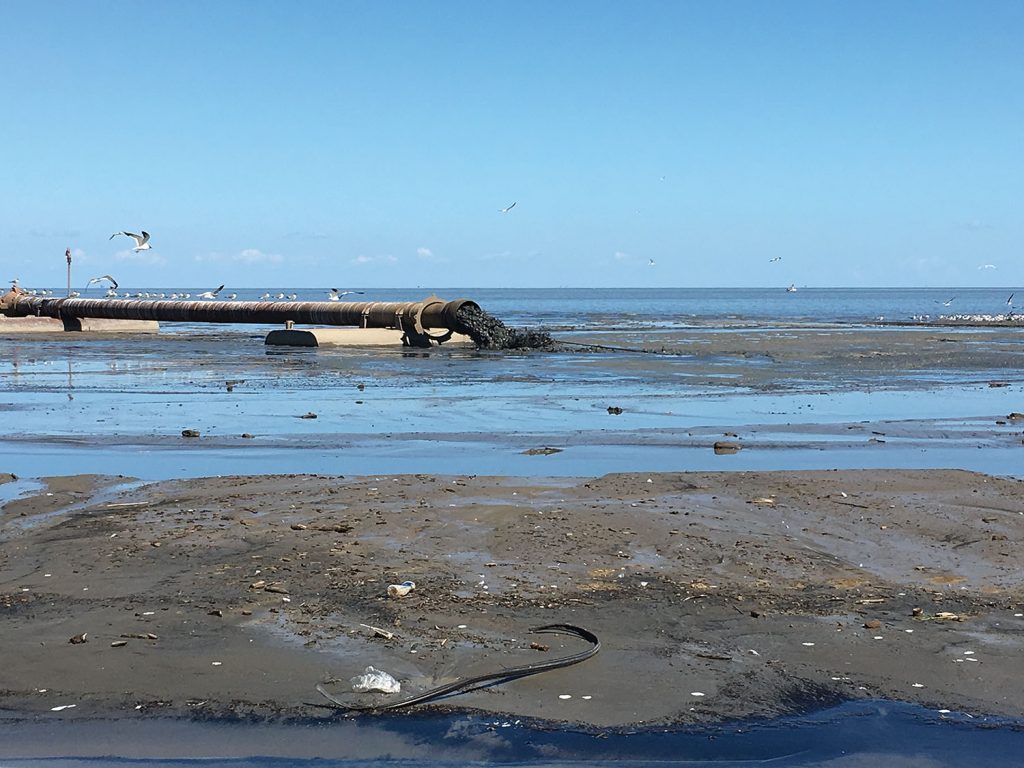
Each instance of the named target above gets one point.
<point>852,734</point>
<point>99,498</point>
<point>454,457</point>
<point>17,489</point>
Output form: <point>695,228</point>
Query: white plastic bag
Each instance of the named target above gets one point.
<point>375,680</point>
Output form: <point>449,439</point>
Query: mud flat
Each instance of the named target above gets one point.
<point>715,595</point>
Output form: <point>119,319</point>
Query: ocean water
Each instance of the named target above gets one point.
<point>603,308</point>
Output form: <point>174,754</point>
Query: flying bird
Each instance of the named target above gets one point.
<point>210,294</point>
<point>141,241</point>
<point>774,258</point>
<point>650,262</point>
<point>946,303</point>
<point>335,294</point>
<point>506,210</point>
<point>1009,301</point>
<point>987,266</point>
<point>101,278</point>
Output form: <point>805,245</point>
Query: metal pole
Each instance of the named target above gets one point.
<point>67,253</point>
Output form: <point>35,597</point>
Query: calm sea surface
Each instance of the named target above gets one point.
<point>597,308</point>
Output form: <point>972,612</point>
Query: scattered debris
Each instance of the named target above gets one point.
<point>119,644</point>
<point>79,639</point>
<point>375,680</point>
<point>722,447</point>
<point>401,590</point>
<point>190,433</point>
<point>545,451</point>
<point>540,647</point>
<point>378,632</point>
<point>309,415</point>
<point>614,410</point>
<point>62,707</point>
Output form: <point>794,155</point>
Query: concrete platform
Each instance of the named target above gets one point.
<point>345,337</point>
<point>13,325</point>
<point>30,325</point>
<point>101,325</point>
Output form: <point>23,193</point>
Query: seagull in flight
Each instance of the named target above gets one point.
<point>335,294</point>
<point>650,262</point>
<point>987,266</point>
<point>1009,301</point>
<point>210,294</point>
<point>100,279</point>
<point>141,241</point>
<point>774,258</point>
<point>506,210</point>
<point>946,303</point>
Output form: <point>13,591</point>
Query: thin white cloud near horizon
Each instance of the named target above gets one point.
<point>245,256</point>
<point>364,259</point>
<point>141,257</point>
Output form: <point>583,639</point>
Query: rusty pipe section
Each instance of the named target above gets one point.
<point>413,317</point>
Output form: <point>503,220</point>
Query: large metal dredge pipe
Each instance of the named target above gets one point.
<point>414,318</point>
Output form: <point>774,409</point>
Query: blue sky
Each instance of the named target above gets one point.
<point>369,144</point>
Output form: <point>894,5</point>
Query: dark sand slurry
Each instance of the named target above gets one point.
<point>754,589</point>
<point>491,333</point>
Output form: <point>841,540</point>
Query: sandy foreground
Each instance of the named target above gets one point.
<point>715,595</point>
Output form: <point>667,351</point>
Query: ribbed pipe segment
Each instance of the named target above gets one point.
<point>417,316</point>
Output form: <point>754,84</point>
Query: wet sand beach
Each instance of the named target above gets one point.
<point>715,595</point>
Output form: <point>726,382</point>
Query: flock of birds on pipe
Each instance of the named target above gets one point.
<point>333,295</point>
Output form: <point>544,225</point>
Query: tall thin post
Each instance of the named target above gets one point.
<point>67,253</point>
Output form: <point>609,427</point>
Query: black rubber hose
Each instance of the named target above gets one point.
<point>504,675</point>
